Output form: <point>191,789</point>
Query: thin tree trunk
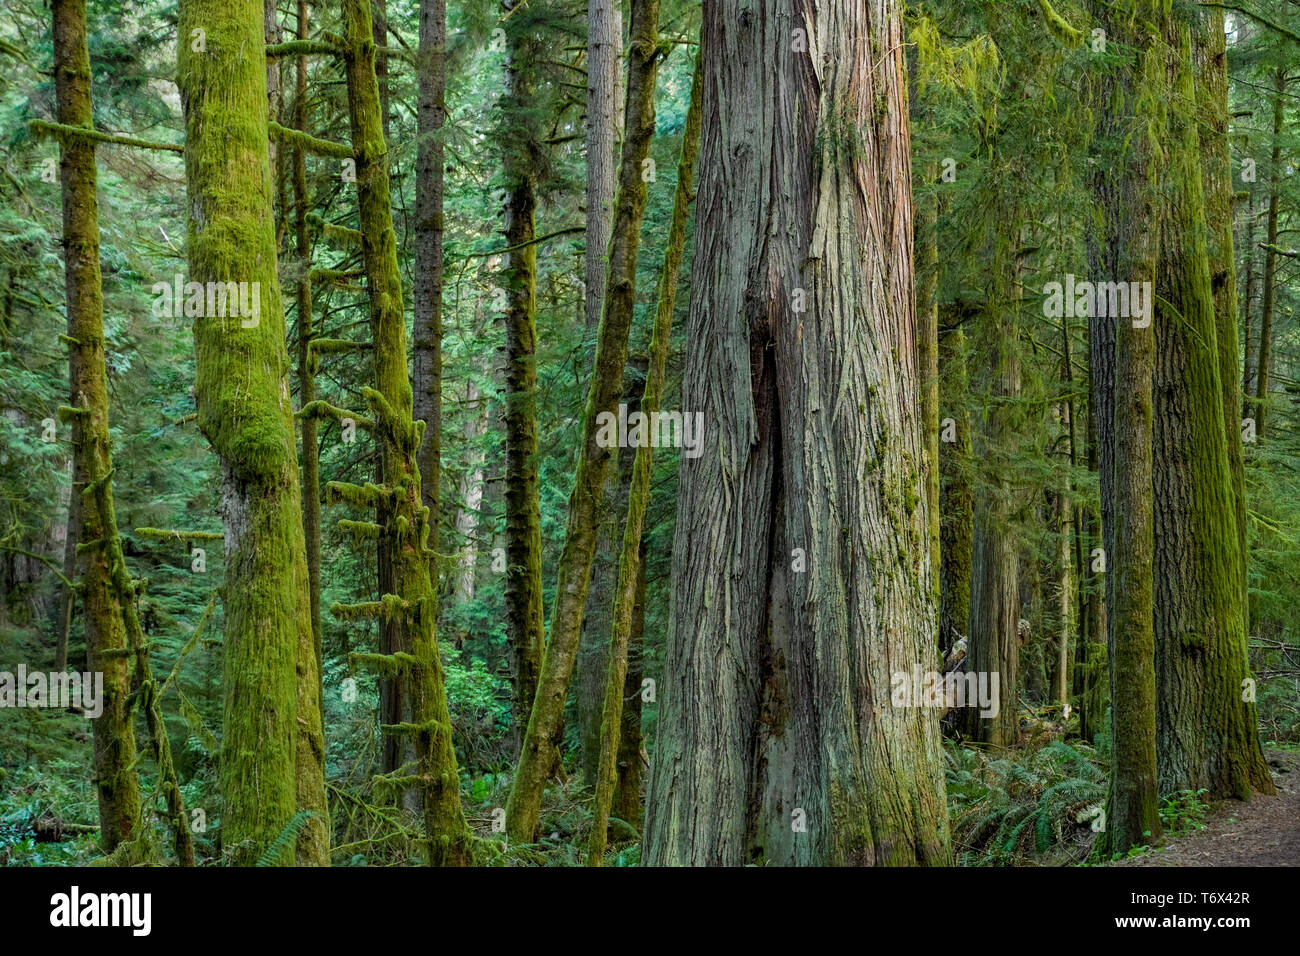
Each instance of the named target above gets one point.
<point>955,501</point>
<point>1262,366</point>
<point>431,114</point>
<point>604,73</point>
<point>114,739</point>
<point>573,577</point>
<point>403,531</point>
<point>801,572</point>
<point>525,620</point>
<point>630,571</point>
<point>306,368</point>
<point>270,734</point>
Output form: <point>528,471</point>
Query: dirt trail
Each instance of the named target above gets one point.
<point>1264,831</point>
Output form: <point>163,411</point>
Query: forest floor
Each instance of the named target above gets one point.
<point>1260,832</point>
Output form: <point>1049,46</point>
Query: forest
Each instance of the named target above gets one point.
<point>660,433</point>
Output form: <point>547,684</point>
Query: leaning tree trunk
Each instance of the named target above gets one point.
<point>272,755</point>
<point>630,592</point>
<point>801,571</point>
<point>573,578</point>
<point>114,739</point>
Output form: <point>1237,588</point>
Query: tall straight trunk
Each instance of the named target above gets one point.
<point>604,72</point>
<point>306,369</point>
<point>1064,596</point>
<point>801,572</point>
<point>1207,736</point>
<point>470,488</point>
<point>1216,171</point>
<point>272,754</point>
<point>626,805</point>
<point>994,629</point>
<point>1248,298</point>
<point>431,115</point>
<point>403,532</point>
<point>1093,683</point>
<point>537,756</point>
<point>927,350</point>
<point>631,580</point>
<point>520,146</point>
<point>68,598</point>
<point>1270,257</point>
<point>116,782</point>
<point>1128,189</point>
<point>955,501</point>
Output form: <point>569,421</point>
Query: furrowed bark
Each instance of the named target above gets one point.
<point>778,740</point>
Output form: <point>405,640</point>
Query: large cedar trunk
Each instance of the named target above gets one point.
<point>801,568</point>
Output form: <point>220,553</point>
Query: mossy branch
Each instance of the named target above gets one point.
<point>164,534</point>
<point>307,143</point>
<point>368,495</point>
<point>339,235</point>
<point>302,48</point>
<point>386,608</point>
<point>386,665</point>
<point>361,530</point>
<point>40,129</point>
<point>67,413</point>
<point>335,346</point>
<point>323,409</point>
<point>1059,26</point>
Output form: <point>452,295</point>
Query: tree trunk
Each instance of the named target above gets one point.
<point>1270,259</point>
<point>520,143</point>
<point>801,572</point>
<point>994,629</point>
<point>604,73</point>
<point>272,759</point>
<point>403,534</point>
<point>114,739</point>
<point>431,114</point>
<point>1207,736</point>
<point>306,368</point>
<point>630,591</point>
<point>573,577</point>
<point>955,501</point>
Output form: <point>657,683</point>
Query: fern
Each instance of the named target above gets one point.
<point>271,856</point>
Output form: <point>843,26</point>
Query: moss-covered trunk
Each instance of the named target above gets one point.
<point>1208,736</point>
<point>630,570</point>
<point>272,755</point>
<point>114,739</point>
<point>412,604</point>
<point>537,756</point>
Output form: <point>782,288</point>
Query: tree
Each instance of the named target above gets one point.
<point>802,553</point>
<point>106,640</point>
<point>573,577</point>
<point>272,759</point>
